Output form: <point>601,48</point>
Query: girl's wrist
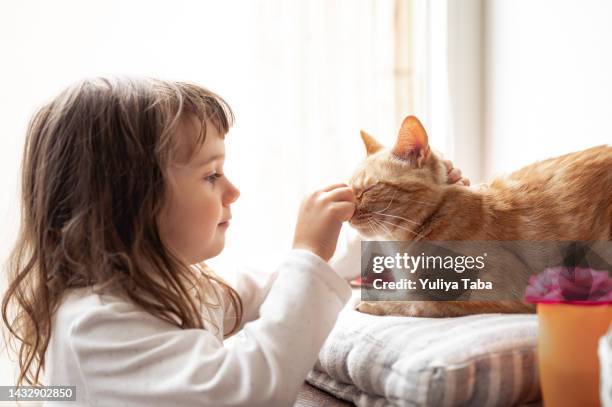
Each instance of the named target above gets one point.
<point>311,249</point>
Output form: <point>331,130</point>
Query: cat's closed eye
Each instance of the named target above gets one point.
<point>359,192</point>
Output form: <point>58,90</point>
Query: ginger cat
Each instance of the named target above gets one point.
<point>403,194</point>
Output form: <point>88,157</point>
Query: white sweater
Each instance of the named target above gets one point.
<point>116,354</point>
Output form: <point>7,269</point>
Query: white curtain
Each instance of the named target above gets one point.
<point>318,72</point>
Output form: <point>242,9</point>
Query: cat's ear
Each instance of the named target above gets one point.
<point>412,144</point>
<point>370,143</point>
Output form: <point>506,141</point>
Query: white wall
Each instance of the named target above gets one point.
<point>548,79</point>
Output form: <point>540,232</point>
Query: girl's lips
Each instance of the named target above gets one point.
<point>224,224</point>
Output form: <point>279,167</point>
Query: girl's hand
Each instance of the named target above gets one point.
<point>454,174</point>
<point>320,219</point>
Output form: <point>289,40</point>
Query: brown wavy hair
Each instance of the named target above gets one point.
<point>95,172</point>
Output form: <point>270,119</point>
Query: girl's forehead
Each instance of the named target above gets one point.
<point>190,148</point>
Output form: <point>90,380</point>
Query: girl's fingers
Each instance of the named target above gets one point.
<point>342,194</point>
<point>334,186</point>
<point>345,210</point>
<point>454,175</point>
<point>448,164</point>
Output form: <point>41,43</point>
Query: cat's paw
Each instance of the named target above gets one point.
<point>428,309</point>
<point>443,309</point>
<point>373,308</point>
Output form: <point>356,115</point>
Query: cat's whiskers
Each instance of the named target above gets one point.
<point>390,202</point>
<point>400,227</point>
<point>373,227</point>
<point>395,225</point>
<point>381,212</point>
<point>398,217</point>
<point>383,227</point>
<point>370,225</point>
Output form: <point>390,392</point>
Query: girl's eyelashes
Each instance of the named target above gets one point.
<point>212,178</point>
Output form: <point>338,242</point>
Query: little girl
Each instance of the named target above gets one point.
<point>123,198</point>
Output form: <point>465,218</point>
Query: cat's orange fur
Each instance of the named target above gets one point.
<point>563,198</point>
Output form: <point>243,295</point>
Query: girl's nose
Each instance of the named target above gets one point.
<point>232,193</point>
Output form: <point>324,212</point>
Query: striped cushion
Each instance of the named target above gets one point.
<point>475,360</point>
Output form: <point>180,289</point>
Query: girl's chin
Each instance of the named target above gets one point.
<point>214,251</point>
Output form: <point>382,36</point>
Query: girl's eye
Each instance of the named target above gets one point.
<point>213,177</point>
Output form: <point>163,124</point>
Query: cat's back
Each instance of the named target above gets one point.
<point>571,191</point>
<point>567,175</point>
<point>594,162</point>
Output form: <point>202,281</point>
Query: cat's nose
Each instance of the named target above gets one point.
<point>360,212</point>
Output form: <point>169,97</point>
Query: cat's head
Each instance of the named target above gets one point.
<point>397,188</point>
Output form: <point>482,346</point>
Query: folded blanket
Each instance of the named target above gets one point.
<point>477,360</point>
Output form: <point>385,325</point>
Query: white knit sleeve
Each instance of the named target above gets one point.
<point>126,356</point>
<point>253,286</point>
<point>347,258</point>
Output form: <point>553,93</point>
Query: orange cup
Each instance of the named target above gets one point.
<point>567,352</point>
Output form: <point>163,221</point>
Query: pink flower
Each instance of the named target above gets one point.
<point>570,285</point>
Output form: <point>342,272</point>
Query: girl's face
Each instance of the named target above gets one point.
<point>196,215</point>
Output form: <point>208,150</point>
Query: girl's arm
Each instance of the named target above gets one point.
<point>317,229</point>
<point>125,356</point>
<point>253,286</point>
<point>347,259</point>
